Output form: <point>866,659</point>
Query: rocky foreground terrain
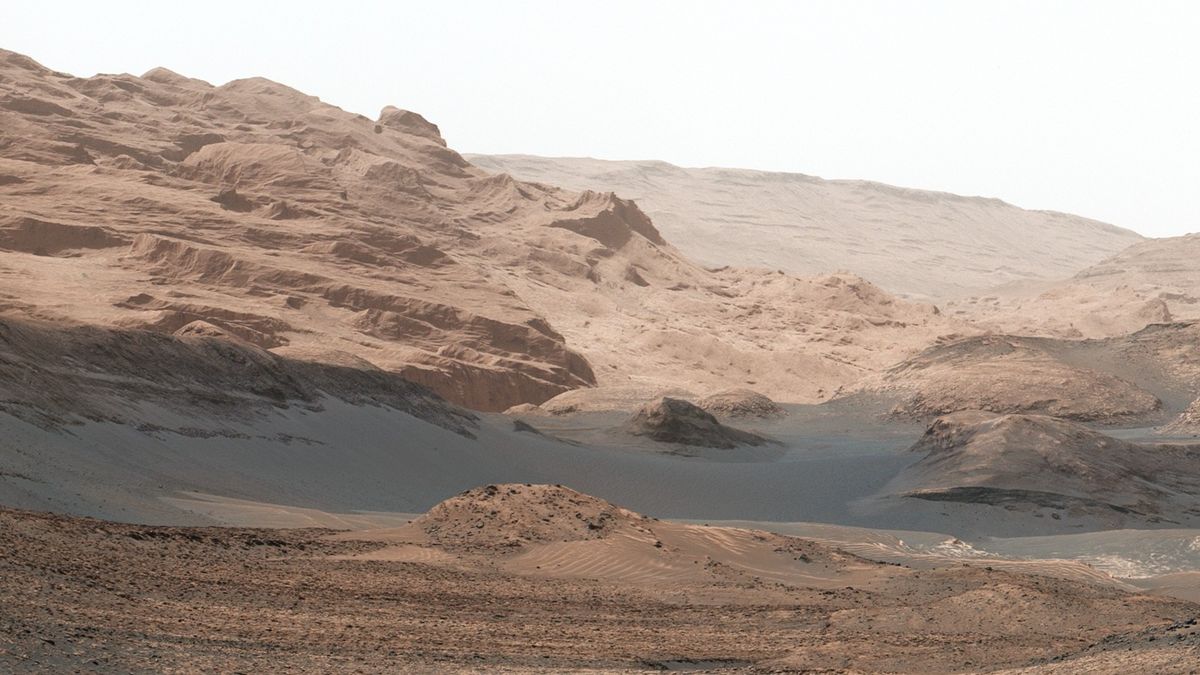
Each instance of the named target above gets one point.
<point>540,578</point>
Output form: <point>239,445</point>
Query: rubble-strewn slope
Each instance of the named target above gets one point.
<point>917,242</point>
<point>156,201</point>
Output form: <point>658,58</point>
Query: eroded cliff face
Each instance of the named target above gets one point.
<point>157,201</point>
<point>153,202</point>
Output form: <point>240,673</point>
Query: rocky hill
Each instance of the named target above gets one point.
<point>1144,377</point>
<point>515,515</point>
<point>153,202</point>
<point>1034,462</point>
<point>675,421</point>
<point>1187,424</point>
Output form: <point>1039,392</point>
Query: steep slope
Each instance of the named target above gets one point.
<point>1034,462</point>
<point>153,202</point>
<point>916,242</point>
<point>54,376</point>
<point>1154,281</point>
<point>156,201</point>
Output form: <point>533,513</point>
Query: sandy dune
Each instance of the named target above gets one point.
<point>914,242</point>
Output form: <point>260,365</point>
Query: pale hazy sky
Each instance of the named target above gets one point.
<point>1090,107</point>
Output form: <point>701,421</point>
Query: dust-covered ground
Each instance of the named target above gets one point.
<point>85,595</point>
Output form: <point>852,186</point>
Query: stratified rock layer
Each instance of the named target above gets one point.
<point>155,202</point>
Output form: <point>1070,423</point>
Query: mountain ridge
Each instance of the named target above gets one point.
<point>713,212</point>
